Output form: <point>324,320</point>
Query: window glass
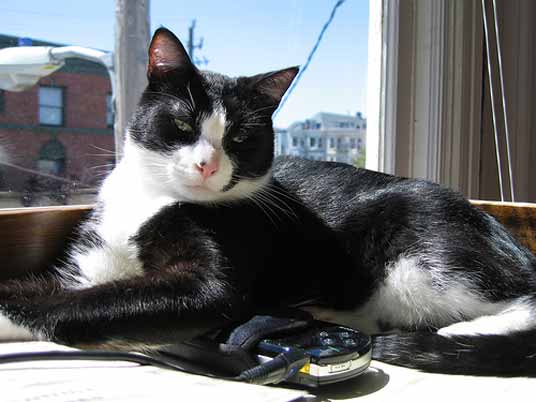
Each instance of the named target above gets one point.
<point>51,106</point>
<point>109,111</point>
<point>57,135</point>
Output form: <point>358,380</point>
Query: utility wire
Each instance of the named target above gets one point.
<point>310,57</point>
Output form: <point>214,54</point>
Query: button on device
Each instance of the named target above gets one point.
<point>345,335</point>
<point>350,342</point>
<point>323,334</point>
<point>328,341</point>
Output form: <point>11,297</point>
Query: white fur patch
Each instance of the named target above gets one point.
<point>213,127</point>
<point>10,331</point>
<point>105,264</point>
<point>518,316</point>
<point>414,297</point>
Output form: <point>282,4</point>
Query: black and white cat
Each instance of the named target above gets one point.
<point>197,226</point>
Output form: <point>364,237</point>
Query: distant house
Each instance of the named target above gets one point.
<point>61,127</point>
<point>325,136</point>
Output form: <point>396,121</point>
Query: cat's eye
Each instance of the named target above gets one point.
<point>183,126</point>
<point>240,138</point>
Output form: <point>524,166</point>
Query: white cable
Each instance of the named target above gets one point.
<point>503,97</point>
<point>493,112</point>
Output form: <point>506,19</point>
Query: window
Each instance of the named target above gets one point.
<point>2,101</point>
<point>51,106</point>
<point>294,142</point>
<point>109,111</point>
<point>353,143</point>
<point>320,143</point>
<point>312,142</point>
<point>339,142</point>
<point>332,143</point>
<point>52,158</point>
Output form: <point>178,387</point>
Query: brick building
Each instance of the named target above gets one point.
<point>61,127</point>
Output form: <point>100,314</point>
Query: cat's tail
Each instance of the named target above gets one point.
<point>496,355</point>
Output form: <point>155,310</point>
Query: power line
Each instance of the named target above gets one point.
<point>310,57</point>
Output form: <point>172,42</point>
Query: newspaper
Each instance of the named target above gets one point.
<point>83,381</point>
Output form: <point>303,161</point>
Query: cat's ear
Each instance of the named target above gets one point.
<point>274,84</point>
<point>167,54</point>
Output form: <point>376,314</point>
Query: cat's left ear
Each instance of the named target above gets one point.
<point>274,84</point>
<point>167,54</point>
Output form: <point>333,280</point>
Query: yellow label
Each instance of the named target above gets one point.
<point>305,369</point>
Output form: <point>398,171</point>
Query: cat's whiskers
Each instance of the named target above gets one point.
<point>253,198</point>
<point>186,104</point>
<point>277,203</point>
<point>191,97</point>
<point>109,151</point>
<point>270,197</point>
<point>107,165</point>
<point>258,110</point>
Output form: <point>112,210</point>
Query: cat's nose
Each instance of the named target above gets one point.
<point>208,168</point>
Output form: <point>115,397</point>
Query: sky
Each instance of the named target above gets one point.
<point>241,37</point>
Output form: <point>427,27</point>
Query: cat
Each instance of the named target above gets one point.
<point>198,227</point>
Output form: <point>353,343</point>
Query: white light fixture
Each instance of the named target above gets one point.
<point>21,67</point>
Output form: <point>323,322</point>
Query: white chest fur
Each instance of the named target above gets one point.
<point>127,202</point>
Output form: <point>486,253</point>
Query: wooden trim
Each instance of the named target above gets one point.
<point>38,210</point>
<point>519,218</point>
<point>32,239</point>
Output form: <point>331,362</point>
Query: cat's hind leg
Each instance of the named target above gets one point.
<point>517,316</point>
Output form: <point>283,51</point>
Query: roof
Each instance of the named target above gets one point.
<point>326,116</point>
<point>74,65</point>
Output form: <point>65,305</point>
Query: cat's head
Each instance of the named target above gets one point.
<point>200,135</point>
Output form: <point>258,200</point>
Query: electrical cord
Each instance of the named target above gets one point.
<point>280,368</point>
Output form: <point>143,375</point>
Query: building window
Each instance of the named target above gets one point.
<point>2,101</point>
<point>320,143</point>
<point>312,142</point>
<point>339,142</point>
<point>353,143</point>
<point>294,142</point>
<point>51,106</point>
<point>52,158</point>
<point>332,143</point>
<point>109,111</point>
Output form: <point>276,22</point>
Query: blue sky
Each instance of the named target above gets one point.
<point>241,37</point>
